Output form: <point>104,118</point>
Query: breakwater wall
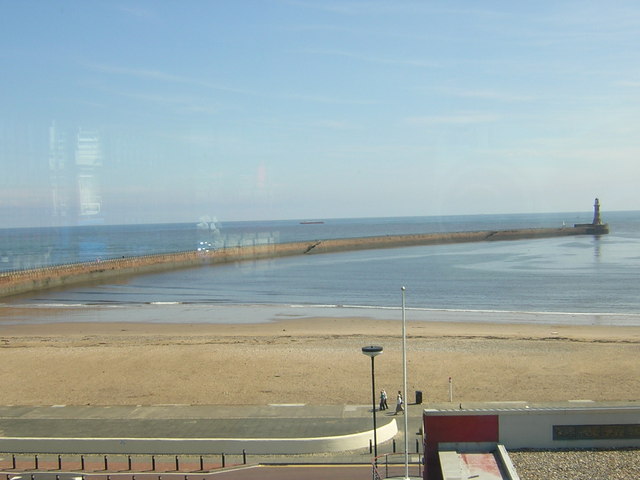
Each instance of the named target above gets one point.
<point>25,281</point>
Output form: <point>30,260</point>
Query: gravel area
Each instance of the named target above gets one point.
<point>620,464</point>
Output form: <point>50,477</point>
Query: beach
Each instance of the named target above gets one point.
<point>313,361</point>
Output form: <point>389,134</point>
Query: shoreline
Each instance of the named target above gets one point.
<point>323,326</point>
<point>163,313</point>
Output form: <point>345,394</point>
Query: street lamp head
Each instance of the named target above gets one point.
<point>372,350</point>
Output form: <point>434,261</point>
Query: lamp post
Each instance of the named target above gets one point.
<point>404,384</point>
<point>373,351</point>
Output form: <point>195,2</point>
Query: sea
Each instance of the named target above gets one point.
<point>582,279</point>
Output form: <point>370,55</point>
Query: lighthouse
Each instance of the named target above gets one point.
<point>596,227</point>
<point>596,213</point>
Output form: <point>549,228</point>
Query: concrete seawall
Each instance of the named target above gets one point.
<point>24,281</point>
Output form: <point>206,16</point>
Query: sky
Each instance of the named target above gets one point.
<point>316,109</point>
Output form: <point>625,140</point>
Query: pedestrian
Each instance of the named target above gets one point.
<point>399,403</point>
<point>383,400</point>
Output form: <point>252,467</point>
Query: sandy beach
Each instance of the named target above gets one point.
<point>314,361</point>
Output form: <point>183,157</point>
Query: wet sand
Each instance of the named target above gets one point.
<point>312,360</point>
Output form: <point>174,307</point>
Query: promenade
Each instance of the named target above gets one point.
<point>251,434</point>
<point>175,424</point>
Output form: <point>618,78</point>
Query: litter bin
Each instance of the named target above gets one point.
<point>418,397</point>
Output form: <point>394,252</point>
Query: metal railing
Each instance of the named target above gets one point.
<point>393,465</point>
<point>35,466</point>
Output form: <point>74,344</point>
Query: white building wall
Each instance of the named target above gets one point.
<point>534,428</point>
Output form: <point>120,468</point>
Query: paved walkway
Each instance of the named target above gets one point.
<point>206,422</point>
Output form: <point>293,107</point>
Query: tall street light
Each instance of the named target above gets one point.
<point>404,385</point>
<point>373,351</point>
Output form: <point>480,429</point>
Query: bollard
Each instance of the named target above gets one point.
<point>129,462</point>
<point>35,461</point>
<point>223,462</point>
<point>82,462</point>
<point>201,464</point>
<point>417,446</point>
<point>106,463</point>
<point>244,457</point>
<point>394,445</point>
<point>153,463</point>
<point>370,446</point>
<point>13,462</point>
<point>177,464</point>
<point>59,462</point>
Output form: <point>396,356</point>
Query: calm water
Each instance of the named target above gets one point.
<point>571,275</point>
<point>24,248</point>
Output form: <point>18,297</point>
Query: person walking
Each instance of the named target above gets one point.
<point>399,404</point>
<point>383,400</point>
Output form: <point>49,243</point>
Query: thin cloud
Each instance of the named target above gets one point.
<point>337,125</point>
<point>137,12</point>
<point>178,79</point>
<point>373,59</point>
<point>344,8</point>
<point>627,83</point>
<point>183,103</point>
<point>164,77</point>
<point>386,7</point>
<point>459,119</point>
<point>325,99</point>
<point>489,95</point>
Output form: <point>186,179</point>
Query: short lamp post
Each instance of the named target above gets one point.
<point>373,351</point>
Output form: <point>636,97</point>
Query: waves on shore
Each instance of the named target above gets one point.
<point>197,312</point>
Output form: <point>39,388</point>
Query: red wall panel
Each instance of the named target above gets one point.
<point>462,428</point>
